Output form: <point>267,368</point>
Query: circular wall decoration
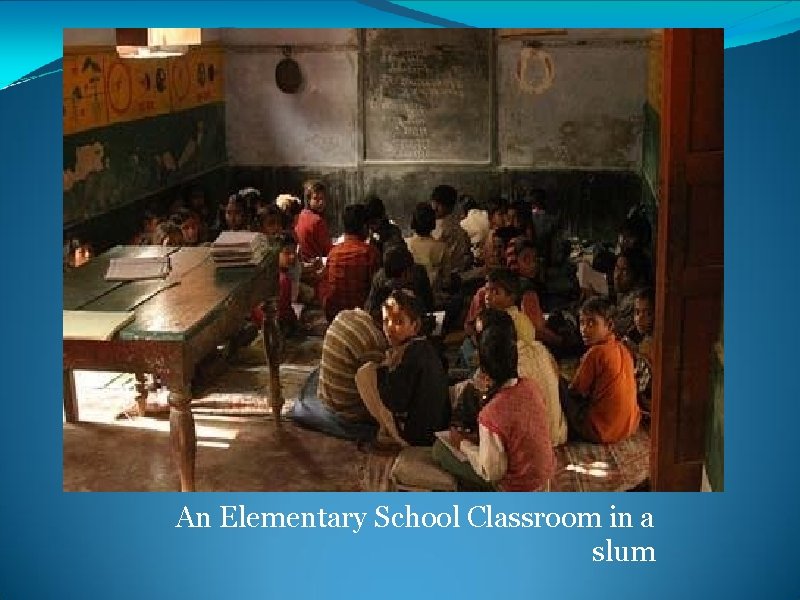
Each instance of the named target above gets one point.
<point>535,71</point>
<point>288,77</point>
<point>120,88</point>
<point>180,79</point>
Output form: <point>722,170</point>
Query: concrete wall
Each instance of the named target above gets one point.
<point>114,163</point>
<point>564,113</point>
<point>316,126</point>
<point>566,102</point>
<point>570,103</point>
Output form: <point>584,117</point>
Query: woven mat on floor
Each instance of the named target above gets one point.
<point>582,467</point>
<point>374,470</point>
<point>585,467</point>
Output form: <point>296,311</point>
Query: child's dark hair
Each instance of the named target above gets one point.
<point>493,317</point>
<point>397,260</point>
<point>637,265</point>
<point>494,205</point>
<point>638,227</point>
<point>375,208</point>
<point>648,294</point>
<point>241,200</point>
<point>423,221</point>
<point>309,187</point>
<point>180,216</point>
<point>446,195</point>
<point>272,214</point>
<point>523,244</point>
<point>289,209</point>
<point>539,199</point>
<point>407,302</point>
<point>166,231</point>
<point>497,351</point>
<point>524,217</point>
<point>506,279</point>
<point>468,202</point>
<point>287,240</point>
<point>354,219</point>
<point>599,306</point>
<point>250,196</point>
<point>506,234</point>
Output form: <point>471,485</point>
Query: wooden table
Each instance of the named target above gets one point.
<point>179,321</point>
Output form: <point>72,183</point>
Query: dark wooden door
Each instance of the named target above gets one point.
<point>689,271</point>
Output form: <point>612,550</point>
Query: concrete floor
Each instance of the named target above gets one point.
<point>240,447</point>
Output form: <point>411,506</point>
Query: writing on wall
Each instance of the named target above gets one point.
<point>427,97</point>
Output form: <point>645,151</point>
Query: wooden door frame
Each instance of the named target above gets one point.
<point>689,273</point>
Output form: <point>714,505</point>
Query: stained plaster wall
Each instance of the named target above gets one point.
<point>564,112</point>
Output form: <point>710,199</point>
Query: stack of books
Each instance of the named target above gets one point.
<point>239,249</point>
<point>135,268</point>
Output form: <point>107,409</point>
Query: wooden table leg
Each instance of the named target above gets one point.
<point>141,393</point>
<point>70,397</point>
<point>271,335</point>
<point>182,436</point>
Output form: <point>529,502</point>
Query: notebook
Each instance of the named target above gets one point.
<point>133,269</point>
<point>444,437</point>
<point>590,279</point>
<point>94,325</point>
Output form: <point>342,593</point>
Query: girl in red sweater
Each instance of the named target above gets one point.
<point>514,450</point>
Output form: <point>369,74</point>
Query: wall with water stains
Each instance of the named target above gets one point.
<point>398,112</point>
<point>135,128</point>
<point>492,112</point>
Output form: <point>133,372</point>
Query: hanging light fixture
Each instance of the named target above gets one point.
<point>155,42</point>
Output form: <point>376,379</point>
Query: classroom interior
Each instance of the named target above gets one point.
<point>602,120</point>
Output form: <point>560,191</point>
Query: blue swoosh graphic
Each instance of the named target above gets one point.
<point>30,32</point>
<point>405,11</point>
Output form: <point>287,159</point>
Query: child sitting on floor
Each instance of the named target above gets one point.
<point>502,293</point>
<point>601,406</point>
<point>189,223</point>
<point>428,252</point>
<point>639,340</point>
<point>407,395</point>
<point>399,272</point>
<point>167,233</point>
<point>287,318</point>
<point>528,269</point>
<point>534,362</point>
<point>271,221</point>
<point>514,449</point>
<point>150,221</point>
<point>630,277</point>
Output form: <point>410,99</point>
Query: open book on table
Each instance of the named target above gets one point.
<point>135,268</point>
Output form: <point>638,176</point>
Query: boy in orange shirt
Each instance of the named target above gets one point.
<point>601,406</point>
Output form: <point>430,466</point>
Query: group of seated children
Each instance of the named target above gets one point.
<point>507,416</point>
<point>187,223</point>
<point>383,378</point>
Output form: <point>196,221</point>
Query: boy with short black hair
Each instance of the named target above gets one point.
<point>428,252</point>
<point>530,288</point>
<point>382,231</point>
<point>351,265</point>
<point>639,340</point>
<point>399,271</point>
<point>601,406</point>
<point>449,230</point>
